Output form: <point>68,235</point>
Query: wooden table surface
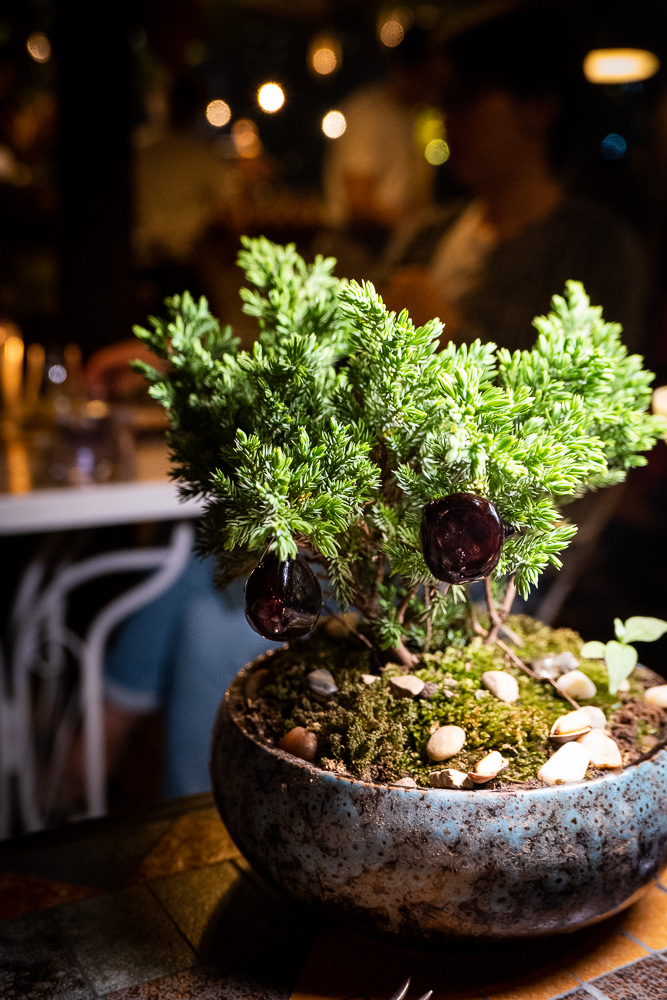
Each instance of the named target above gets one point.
<point>162,905</point>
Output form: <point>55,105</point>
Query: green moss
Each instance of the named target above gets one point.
<point>371,733</point>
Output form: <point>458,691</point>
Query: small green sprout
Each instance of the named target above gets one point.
<point>619,655</point>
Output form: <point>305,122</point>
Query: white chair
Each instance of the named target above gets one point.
<point>51,678</point>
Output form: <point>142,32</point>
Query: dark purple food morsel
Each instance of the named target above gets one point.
<point>462,536</point>
<point>282,599</point>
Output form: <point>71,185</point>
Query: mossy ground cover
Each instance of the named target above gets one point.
<point>371,733</point>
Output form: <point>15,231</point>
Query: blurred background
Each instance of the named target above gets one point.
<point>139,141</point>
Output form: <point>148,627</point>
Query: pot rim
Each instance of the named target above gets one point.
<point>234,698</point>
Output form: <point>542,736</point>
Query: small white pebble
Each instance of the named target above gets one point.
<point>449,778</point>
<point>406,685</point>
<point>596,717</point>
<point>445,742</point>
<point>570,726</point>
<point>569,763</point>
<point>577,685</point>
<point>405,783</point>
<point>369,679</point>
<point>657,695</point>
<point>502,685</point>
<point>602,749</point>
<point>566,661</point>
<point>488,767</point>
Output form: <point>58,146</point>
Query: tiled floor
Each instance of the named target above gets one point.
<point>163,906</point>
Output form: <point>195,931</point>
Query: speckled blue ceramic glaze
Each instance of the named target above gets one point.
<point>434,865</point>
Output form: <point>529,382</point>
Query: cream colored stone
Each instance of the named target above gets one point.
<point>569,763</point>
<point>445,742</point>
<point>488,767</point>
<point>657,695</point>
<point>602,750</point>
<point>405,783</point>
<point>570,726</point>
<point>406,685</point>
<point>596,717</point>
<point>502,685</point>
<point>369,679</point>
<point>577,685</point>
<point>449,778</point>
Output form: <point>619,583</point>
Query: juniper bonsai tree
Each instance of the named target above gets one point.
<point>347,441</point>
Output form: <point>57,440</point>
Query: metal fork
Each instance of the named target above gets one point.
<point>402,991</point>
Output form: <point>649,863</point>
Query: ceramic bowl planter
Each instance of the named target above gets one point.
<point>434,864</point>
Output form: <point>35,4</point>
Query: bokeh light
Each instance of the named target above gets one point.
<point>324,61</point>
<point>429,125</point>
<point>613,146</point>
<point>57,374</point>
<point>393,23</point>
<point>39,47</point>
<point>246,139</point>
<point>270,97</point>
<point>334,124</point>
<point>620,65</point>
<point>392,34</point>
<point>218,113</point>
<point>325,54</point>
<point>437,152</point>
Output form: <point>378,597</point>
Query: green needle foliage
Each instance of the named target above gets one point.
<point>345,419</point>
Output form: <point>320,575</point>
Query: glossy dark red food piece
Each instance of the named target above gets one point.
<point>282,599</point>
<point>462,536</point>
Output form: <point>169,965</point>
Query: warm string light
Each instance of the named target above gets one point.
<point>392,34</point>
<point>620,65</point>
<point>334,124</point>
<point>325,54</point>
<point>392,25</point>
<point>39,47</point>
<point>218,113</point>
<point>270,97</point>
<point>246,139</point>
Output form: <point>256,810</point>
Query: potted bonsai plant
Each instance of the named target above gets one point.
<point>413,756</point>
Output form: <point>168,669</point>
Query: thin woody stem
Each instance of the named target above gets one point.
<point>405,604</point>
<point>429,622</point>
<point>524,666</point>
<point>404,655</point>
<point>341,621</point>
<point>508,599</point>
<point>496,620</point>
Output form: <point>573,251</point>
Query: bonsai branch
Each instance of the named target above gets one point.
<point>405,604</point>
<point>494,615</point>
<point>500,614</point>
<point>429,620</point>
<point>404,655</point>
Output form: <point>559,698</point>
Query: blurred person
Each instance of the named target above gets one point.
<point>177,656</point>
<point>486,265</point>
<point>375,175</point>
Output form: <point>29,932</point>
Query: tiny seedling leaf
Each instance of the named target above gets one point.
<point>639,629</point>
<point>619,629</point>
<point>621,661</point>
<point>593,650</point>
